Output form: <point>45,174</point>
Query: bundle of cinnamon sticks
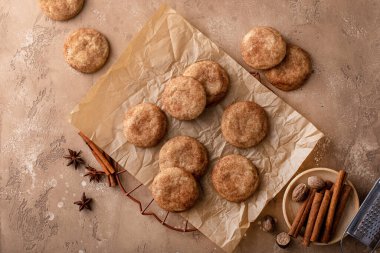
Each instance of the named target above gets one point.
<point>103,159</point>
<point>320,213</point>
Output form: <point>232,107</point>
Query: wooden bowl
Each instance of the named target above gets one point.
<point>290,207</point>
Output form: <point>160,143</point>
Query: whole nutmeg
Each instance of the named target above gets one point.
<point>316,182</point>
<point>268,224</point>
<point>300,192</point>
<point>283,240</point>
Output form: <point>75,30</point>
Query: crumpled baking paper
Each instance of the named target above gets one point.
<point>165,46</point>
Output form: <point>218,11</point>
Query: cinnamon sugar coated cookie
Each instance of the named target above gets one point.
<point>263,47</point>
<point>293,71</point>
<point>184,98</point>
<point>86,50</point>
<point>186,153</point>
<point>144,125</point>
<point>213,78</point>
<point>235,178</point>
<point>244,124</point>
<point>175,190</point>
<point>61,9</point>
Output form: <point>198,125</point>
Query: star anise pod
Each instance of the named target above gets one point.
<point>74,158</point>
<point>95,175</point>
<point>84,202</point>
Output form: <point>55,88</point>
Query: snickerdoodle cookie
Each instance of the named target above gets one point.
<point>175,190</point>
<point>235,178</point>
<point>61,9</point>
<point>244,124</point>
<point>144,125</point>
<point>186,153</point>
<point>213,78</point>
<point>263,47</point>
<point>86,50</point>
<point>184,98</point>
<point>293,71</point>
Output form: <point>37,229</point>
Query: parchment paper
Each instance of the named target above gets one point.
<point>164,47</point>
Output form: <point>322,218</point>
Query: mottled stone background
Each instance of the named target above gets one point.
<point>38,90</point>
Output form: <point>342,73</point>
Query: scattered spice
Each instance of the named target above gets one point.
<point>74,158</point>
<point>84,202</point>
<point>95,175</point>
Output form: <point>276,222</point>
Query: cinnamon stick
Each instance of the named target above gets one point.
<point>305,215</point>
<point>111,180</point>
<point>312,218</point>
<point>321,216</point>
<point>96,150</point>
<point>297,219</point>
<point>113,163</point>
<point>101,164</point>
<point>102,159</point>
<point>108,157</point>
<point>342,204</point>
<point>338,185</point>
<point>301,215</point>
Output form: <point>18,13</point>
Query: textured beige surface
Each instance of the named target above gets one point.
<point>38,90</point>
